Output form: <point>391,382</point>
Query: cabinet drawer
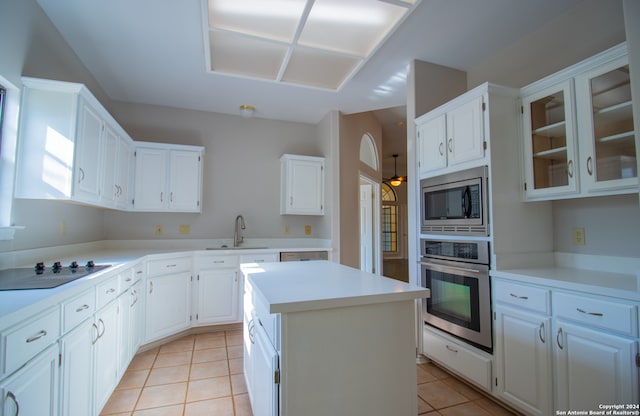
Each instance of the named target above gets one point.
<point>138,272</point>
<point>107,291</point>
<point>78,309</point>
<point>609,314</point>
<point>467,363</point>
<point>23,342</point>
<point>259,258</point>
<point>217,262</point>
<point>166,266</point>
<point>269,321</point>
<point>536,299</point>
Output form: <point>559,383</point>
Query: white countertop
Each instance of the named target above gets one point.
<point>313,285</point>
<point>119,254</point>
<point>598,275</point>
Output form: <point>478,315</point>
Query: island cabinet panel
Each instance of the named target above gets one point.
<point>363,357</point>
<point>342,343</point>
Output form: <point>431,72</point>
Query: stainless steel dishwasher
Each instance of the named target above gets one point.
<point>303,255</point>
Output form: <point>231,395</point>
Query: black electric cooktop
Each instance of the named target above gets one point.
<point>43,277</point>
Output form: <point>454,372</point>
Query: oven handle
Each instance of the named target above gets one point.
<point>463,269</point>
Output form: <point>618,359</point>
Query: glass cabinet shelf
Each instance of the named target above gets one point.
<point>628,135</point>
<point>552,130</point>
<point>559,153</point>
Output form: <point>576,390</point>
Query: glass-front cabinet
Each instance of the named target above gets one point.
<point>549,147</point>
<point>608,151</point>
<point>578,130</point>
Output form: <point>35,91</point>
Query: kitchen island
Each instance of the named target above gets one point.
<point>326,339</point>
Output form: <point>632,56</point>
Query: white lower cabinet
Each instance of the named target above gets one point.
<point>106,354</point>
<point>466,361</point>
<point>168,297</point>
<point>261,360</point>
<point>523,360</point>
<point>560,351</point>
<point>596,351</point>
<point>522,350</point>
<point>217,290</point>
<point>77,370</point>
<point>32,390</point>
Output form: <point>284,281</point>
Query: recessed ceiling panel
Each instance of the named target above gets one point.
<point>318,69</point>
<point>318,43</point>
<point>354,26</point>
<point>237,54</point>
<point>273,19</point>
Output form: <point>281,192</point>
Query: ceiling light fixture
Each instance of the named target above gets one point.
<point>396,180</point>
<point>246,111</point>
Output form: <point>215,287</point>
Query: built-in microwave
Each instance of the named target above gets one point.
<point>455,203</point>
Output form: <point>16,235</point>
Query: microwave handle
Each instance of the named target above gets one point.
<point>466,202</point>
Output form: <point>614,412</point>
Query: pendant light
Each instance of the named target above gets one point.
<point>395,180</point>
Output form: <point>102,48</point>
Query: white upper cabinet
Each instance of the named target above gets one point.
<point>70,148</point>
<point>168,178</point>
<point>453,134</point>
<point>608,151</point>
<point>116,161</point>
<point>586,148</point>
<point>549,141</point>
<point>302,185</point>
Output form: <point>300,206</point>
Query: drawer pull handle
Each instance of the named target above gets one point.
<point>139,272</point>
<point>171,265</point>
<point>12,396</point>
<point>558,338</point>
<point>110,291</point>
<point>36,337</point>
<point>82,308</point>
<point>128,279</point>
<point>451,349</point>
<point>218,261</point>
<point>150,287</point>
<point>440,149</point>
<point>519,297</point>
<point>589,313</point>
<point>541,332</point>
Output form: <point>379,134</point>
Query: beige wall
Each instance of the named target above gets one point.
<point>241,173</point>
<point>352,128</point>
<point>31,46</point>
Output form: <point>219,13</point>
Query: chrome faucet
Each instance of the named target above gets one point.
<point>237,237</point>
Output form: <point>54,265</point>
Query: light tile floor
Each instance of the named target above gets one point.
<point>201,375</point>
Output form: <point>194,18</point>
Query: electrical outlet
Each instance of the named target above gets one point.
<point>579,238</point>
<point>63,228</point>
<point>185,229</point>
<point>287,231</point>
<point>307,230</point>
<point>159,230</point>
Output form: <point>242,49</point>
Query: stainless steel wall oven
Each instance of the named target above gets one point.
<point>457,273</point>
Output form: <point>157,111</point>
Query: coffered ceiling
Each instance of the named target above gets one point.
<point>182,53</point>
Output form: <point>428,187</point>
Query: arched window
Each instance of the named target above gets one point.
<point>368,154</point>
<point>389,220</point>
